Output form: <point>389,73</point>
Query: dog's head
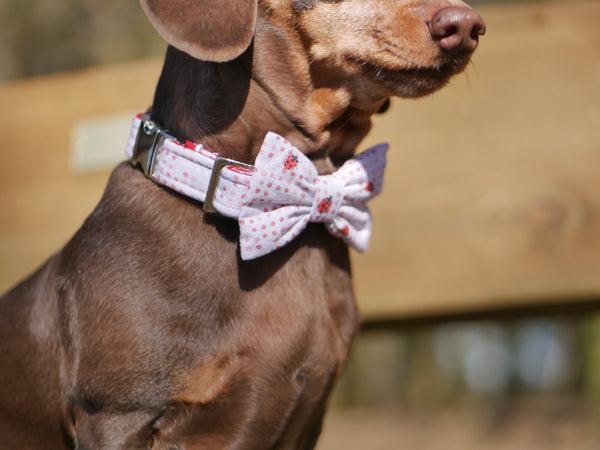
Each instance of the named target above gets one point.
<point>405,48</point>
<point>322,66</point>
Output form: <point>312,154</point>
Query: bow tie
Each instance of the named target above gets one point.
<point>273,200</point>
<point>286,193</point>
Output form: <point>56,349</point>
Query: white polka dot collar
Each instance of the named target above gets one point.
<point>272,200</point>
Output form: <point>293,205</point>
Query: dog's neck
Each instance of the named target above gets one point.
<point>230,107</point>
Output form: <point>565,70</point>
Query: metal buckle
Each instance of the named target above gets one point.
<point>149,137</point>
<point>220,164</point>
<point>147,141</point>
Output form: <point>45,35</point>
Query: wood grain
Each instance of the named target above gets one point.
<point>491,197</point>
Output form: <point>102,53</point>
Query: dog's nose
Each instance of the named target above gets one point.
<point>457,30</point>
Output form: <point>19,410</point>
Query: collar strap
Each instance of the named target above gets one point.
<point>273,200</point>
<point>190,169</point>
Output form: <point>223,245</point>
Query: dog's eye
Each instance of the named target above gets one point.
<point>303,5</point>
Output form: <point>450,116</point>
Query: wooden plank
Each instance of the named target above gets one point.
<point>42,201</point>
<point>490,197</point>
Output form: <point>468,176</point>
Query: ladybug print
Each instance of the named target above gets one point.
<point>290,162</point>
<point>324,205</point>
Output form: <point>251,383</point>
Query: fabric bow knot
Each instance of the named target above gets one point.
<point>286,193</point>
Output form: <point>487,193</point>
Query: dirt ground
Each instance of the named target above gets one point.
<point>549,424</point>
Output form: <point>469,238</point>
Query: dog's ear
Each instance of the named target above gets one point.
<point>210,30</point>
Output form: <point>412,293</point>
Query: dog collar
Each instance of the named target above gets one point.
<point>274,199</point>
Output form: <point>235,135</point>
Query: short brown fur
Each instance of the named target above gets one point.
<point>147,330</point>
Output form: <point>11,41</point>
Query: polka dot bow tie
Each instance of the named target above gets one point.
<point>273,200</point>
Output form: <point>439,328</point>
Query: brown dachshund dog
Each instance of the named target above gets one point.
<point>148,330</point>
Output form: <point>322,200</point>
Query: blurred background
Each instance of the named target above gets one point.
<point>480,292</point>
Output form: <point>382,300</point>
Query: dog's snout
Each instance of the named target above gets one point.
<point>457,30</point>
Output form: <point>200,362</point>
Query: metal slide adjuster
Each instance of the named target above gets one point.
<point>220,164</point>
<point>149,137</point>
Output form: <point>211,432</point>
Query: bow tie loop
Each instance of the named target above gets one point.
<point>328,199</point>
